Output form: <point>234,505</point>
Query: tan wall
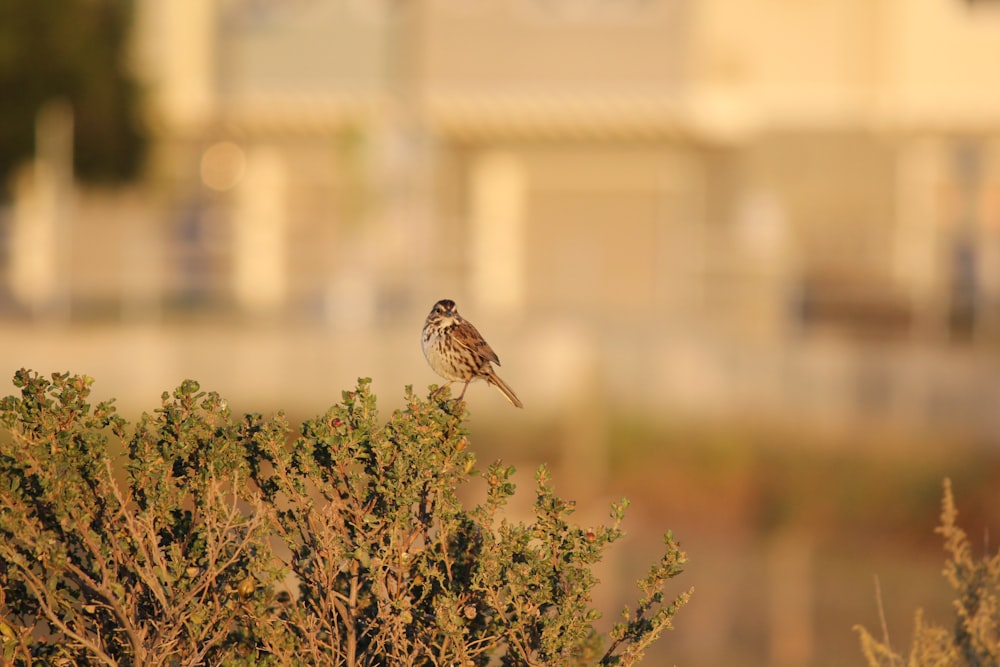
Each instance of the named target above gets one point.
<point>943,62</point>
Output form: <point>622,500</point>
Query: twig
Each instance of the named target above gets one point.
<point>881,617</point>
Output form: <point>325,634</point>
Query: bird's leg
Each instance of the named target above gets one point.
<point>441,388</point>
<point>462,395</point>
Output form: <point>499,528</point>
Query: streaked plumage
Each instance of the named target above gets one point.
<point>458,352</point>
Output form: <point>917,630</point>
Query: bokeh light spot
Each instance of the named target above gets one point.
<point>223,165</point>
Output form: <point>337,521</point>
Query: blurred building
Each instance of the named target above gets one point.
<point>749,176</point>
<point>665,158</point>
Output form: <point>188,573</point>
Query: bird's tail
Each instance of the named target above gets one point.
<point>508,393</point>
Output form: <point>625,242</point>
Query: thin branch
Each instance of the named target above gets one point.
<point>37,588</point>
<point>881,617</point>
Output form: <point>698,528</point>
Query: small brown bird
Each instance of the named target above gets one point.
<point>457,351</point>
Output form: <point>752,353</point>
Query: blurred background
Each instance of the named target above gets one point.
<point>740,258</point>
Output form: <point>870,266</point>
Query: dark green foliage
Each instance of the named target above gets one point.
<point>220,542</point>
<point>95,571</point>
<point>74,51</point>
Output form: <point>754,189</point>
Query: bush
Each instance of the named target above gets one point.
<point>220,541</point>
<point>974,640</point>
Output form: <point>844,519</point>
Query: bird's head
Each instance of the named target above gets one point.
<point>445,308</point>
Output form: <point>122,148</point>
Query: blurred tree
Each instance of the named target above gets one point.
<point>74,50</point>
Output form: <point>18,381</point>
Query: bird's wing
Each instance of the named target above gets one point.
<point>468,337</point>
